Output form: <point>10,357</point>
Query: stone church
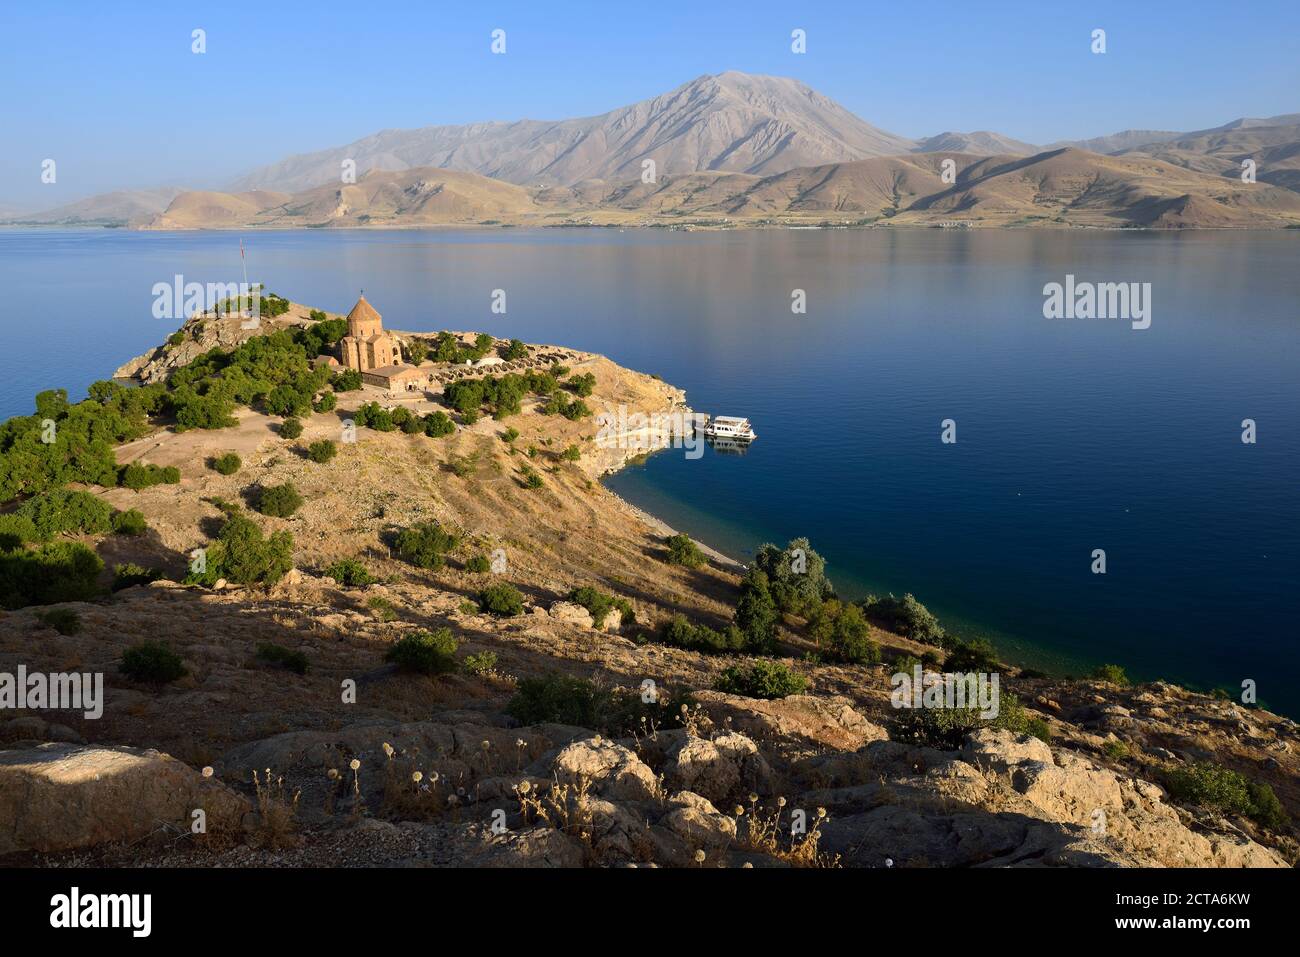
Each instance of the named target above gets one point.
<point>367,346</point>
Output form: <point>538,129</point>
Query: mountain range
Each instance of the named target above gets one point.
<point>740,147</point>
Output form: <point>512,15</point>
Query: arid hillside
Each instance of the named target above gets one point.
<point>566,729</point>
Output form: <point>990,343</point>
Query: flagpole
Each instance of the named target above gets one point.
<point>244,262</point>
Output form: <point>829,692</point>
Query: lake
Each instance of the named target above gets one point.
<point>1072,435</point>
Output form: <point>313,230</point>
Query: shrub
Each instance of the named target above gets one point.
<point>176,338</point>
<point>531,478</point>
<point>425,652</point>
<point>60,510</point>
<point>326,403</point>
<point>582,385</point>
<point>15,531</point>
<point>510,434</point>
<point>905,616</point>
<point>762,679</point>
<point>945,729</point>
<point>555,697</point>
<point>152,662</point>
<point>349,380</point>
<point>969,656</point>
<point>1040,729</point>
<point>681,633</point>
<point>1222,789</point>
<point>281,657</point>
<point>350,572</point>
<point>425,545</point>
<point>501,599</point>
<point>130,522</point>
<point>482,664</point>
<point>322,451</point>
<point>515,350</point>
<point>63,620</point>
<point>54,572</point>
<point>756,613</point>
<point>1115,750</point>
<point>383,609</point>
<point>571,454</point>
<point>137,476</point>
<point>478,565</point>
<point>130,575</point>
<point>844,633</point>
<point>1111,674</point>
<point>796,576</point>
<point>683,551</point>
<point>601,604</point>
<point>241,554</point>
<point>279,501</point>
<point>437,424</point>
<point>227,464</point>
<point>290,429</point>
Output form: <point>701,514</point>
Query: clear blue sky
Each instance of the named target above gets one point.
<point>118,99</point>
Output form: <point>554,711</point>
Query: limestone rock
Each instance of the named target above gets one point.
<point>613,771</point>
<point>58,797</point>
<point>571,613</point>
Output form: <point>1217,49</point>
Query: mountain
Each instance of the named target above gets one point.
<point>122,208</point>
<point>979,143</point>
<point>728,122</point>
<point>1220,152</point>
<point>1055,187</point>
<point>1128,140</point>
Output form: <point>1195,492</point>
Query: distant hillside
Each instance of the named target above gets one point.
<point>731,121</point>
<point>1275,150</point>
<point>1066,187</point>
<point>979,143</point>
<point>122,208</point>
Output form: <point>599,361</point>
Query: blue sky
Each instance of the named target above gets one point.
<point>119,100</point>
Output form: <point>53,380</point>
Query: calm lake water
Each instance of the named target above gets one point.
<point>1071,435</point>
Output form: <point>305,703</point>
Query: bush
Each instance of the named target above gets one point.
<point>582,385</point>
<point>243,556</point>
<point>279,501</point>
<point>438,424</point>
<point>326,403</point>
<point>227,464</point>
<point>796,576</point>
<point>501,599</point>
<point>130,575</point>
<point>425,545</point>
<point>55,572</point>
<point>555,697</point>
<point>424,652</point>
<point>350,572</point>
<point>763,679</point>
<point>681,633</point>
<point>531,478</point>
<point>152,662</point>
<point>683,551</point>
<point>478,565</point>
<point>349,380</point>
<point>290,429</point>
<point>756,612</point>
<point>281,657</point>
<point>844,633</point>
<point>137,476</point>
<point>482,664</point>
<point>322,451</point>
<point>905,616</point>
<point>971,656</point>
<point>1222,789</point>
<point>382,608</point>
<point>16,531</point>
<point>945,729</point>
<point>601,604</point>
<point>176,338</point>
<point>509,435</point>
<point>515,350</point>
<point>63,620</point>
<point>1111,674</point>
<point>60,510</point>
<point>130,522</point>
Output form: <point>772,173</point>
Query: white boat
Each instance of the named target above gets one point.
<point>730,427</point>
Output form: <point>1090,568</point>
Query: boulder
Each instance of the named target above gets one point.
<point>696,821</point>
<point>570,613</point>
<point>998,750</point>
<point>59,797</point>
<point>829,722</point>
<point>613,772</point>
<point>719,768</point>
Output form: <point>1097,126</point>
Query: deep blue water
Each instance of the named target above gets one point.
<point>1072,435</point>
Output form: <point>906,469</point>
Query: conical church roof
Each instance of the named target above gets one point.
<point>363,312</point>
